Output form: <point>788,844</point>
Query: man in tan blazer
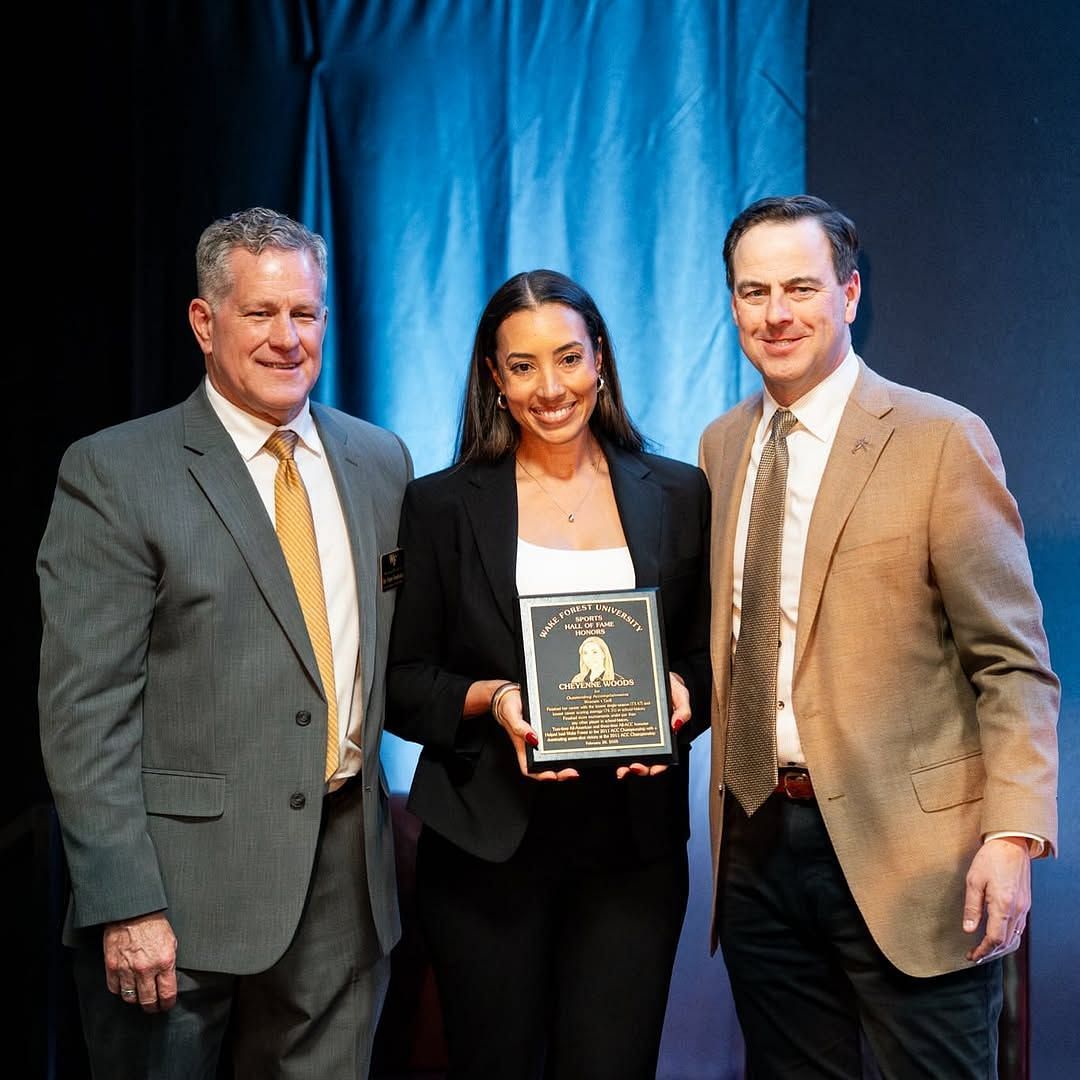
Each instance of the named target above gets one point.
<point>908,764</point>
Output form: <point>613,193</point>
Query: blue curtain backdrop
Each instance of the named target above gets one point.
<point>443,145</point>
<point>451,144</point>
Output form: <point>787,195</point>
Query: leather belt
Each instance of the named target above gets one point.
<point>795,784</point>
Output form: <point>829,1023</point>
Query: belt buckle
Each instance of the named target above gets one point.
<point>796,784</point>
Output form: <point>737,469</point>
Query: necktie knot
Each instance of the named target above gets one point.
<point>782,422</point>
<point>282,444</point>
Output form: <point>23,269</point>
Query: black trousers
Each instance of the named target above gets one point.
<point>310,1016</point>
<point>557,962</point>
<point>812,988</point>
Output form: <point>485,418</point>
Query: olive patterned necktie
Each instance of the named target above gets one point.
<point>750,748</point>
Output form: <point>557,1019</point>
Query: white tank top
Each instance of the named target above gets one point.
<point>543,571</point>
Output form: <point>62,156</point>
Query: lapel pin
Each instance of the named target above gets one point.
<point>861,443</point>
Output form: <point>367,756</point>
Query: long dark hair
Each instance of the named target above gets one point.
<point>488,433</point>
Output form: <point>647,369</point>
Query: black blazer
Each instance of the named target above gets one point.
<point>455,622</point>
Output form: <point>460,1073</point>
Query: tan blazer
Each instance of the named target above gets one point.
<point>923,692</point>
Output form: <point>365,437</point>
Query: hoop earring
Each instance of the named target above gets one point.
<point>599,383</point>
<point>500,401</point>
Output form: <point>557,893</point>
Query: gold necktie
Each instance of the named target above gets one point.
<point>750,749</point>
<point>296,531</point>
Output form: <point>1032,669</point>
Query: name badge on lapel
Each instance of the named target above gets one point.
<point>393,569</point>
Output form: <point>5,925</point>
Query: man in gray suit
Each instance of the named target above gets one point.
<point>231,860</point>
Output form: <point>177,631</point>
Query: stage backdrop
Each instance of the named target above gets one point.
<point>445,145</point>
<point>450,145</point>
<point>951,134</point>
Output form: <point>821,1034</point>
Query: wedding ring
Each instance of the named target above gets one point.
<point>127,993</point>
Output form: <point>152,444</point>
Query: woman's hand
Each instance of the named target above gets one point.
<point>506,708</point>
<point>680,714</point>
<point>680,701</point>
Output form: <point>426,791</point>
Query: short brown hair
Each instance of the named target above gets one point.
<point>839,229</point>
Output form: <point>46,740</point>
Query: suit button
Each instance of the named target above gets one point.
<point>297,800</point>
<point>303,718</point>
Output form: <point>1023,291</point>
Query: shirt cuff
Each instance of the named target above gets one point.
<point>1036,844</point>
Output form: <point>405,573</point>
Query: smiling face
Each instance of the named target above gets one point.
<point>793,315</point>
<point>263,341</point>
<point>546,366</point>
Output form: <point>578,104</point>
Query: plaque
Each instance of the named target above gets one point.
<point>596,684</point>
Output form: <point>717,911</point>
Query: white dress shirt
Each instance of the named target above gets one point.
<point>809,442</point>
<point>335,553</point>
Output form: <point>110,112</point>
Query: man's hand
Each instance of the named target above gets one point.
<point>140,961</point>
<point>999,884</point>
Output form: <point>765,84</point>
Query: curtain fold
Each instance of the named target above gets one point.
<point>461,142</point>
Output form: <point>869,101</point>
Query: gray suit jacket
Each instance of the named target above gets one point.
<point>183,722</point>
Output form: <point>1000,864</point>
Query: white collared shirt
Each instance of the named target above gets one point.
<point>809,442</point>
<point>335,552</point>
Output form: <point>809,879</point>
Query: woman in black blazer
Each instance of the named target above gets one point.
<point>552,903</point>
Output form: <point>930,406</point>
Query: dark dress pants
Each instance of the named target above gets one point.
<point>311,1016</point>
<point>557,962</point>
<point>806,975</point>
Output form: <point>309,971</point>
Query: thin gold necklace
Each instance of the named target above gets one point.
<point>570,514</point>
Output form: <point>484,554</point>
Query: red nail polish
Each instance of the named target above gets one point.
<point>531,739</point>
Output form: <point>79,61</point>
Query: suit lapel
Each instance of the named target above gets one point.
<point>641,507</point>
<point>357,504</point>
<point>727,488</point>
<point>220,472</point>
<point>490,498</point>
<point>859,441</point>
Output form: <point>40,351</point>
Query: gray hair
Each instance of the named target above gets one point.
<point>254,230</point>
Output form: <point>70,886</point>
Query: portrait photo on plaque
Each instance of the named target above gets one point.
<point>596,685</point>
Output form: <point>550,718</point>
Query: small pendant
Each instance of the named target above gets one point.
<point>570,518</point>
